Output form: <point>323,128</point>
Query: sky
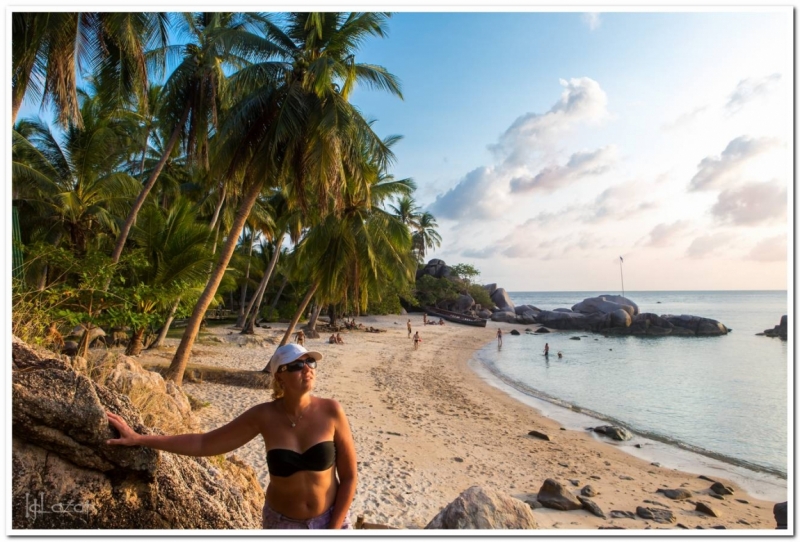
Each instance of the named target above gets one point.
<point>557,149</point>
<point>549,145</point>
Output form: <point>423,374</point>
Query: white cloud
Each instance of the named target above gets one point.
<point>664,235</point>
<point>750,89</point>
<point>619,202</point>
<point>592,20</point>
<point>709,245</point>
<point>685,119</point>
<point>581,101</point>
<point>580,164</point>
<point>772,249</point>
<point>480,195</point>
<point>752,203</point>
<point>714,171</point>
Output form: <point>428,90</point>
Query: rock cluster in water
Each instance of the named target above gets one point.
<point>781,330</point>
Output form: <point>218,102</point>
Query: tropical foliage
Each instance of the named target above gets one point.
<point>202,160</point>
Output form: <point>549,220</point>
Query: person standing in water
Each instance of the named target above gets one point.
<point>546,349</point>
<point>499,337</point>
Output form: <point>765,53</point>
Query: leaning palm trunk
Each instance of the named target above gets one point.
<point>277,297</point>
<point>252,309</point>
<point>178,364</point>
<point>312,322</point>
<point>300,310</point>
<point>137,205</point>
<point>242,312</point>
<point>165,328</point>
<point>135,345</point>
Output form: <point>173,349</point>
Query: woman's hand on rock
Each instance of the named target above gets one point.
<point>127,436</point>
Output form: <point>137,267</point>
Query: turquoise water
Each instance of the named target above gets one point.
<point>725,397</point>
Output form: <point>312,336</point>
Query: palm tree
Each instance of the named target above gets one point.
<point>407,212</point>
<point>294,124</point>
<point>47,45</point>
<point>426,236</point>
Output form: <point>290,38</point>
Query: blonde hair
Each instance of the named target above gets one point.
<point>276,387</point>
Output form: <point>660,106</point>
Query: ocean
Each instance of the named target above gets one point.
<point>721,397</point>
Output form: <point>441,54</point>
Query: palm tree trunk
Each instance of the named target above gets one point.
<point>218,208</point>
<point>300,310</point>
<point>277,297</point>
<point>135,345</point>
<point>242,313</point>
<point>165,329</point>
<point>126,228</point>
<point>312,322</point>
<point>255,303</point>
<point>178,364</point>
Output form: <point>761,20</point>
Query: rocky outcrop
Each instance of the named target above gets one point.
<point>463,303</point>
<point>606,304</point>
<point>781,330</point>
<point>501,300</point>
<point>781,515</point>
<point>554,495</point>
<point>435,268</point>
<point>481,508</point>
<point>614,432</point>
<point>65,476</point>
<point>504,316</point>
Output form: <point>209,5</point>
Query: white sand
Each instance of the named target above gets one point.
<point>426,427</point>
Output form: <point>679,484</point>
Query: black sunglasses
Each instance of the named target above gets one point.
<point>298,365</point>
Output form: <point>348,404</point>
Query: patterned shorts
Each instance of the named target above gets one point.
<point>270,519</point>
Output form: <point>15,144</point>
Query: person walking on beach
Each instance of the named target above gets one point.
<point>417,340</point>
<point>408,325</point>
<point>424,318</point>
<point>499,337</point>
<point>311,456</point>
<point>300,338</point>
<point>546,349</point>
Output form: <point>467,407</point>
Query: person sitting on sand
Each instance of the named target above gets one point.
<point>332,339</point>
<point>339,339</point>
<point>408,325</point>
<point>441,322</point>
<point>300,338</point>
<point>417,340</point>
<point>546,349</point>
<point>499,337</point>
<point>311,456</point>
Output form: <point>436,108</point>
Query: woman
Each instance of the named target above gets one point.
<point>308,444</point>
<point>417,340</point>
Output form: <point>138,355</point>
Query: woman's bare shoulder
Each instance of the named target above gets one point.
<point>330,406</point>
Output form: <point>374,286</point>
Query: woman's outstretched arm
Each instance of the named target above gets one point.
<point>345,467</point>
<point>222,440</point>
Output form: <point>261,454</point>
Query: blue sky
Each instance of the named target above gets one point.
<point>549,144</point>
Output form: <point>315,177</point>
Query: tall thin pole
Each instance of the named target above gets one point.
<point>620,276</point>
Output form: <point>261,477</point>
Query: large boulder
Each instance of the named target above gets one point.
<point>60,458</point>
<point>614,432</point>
<point>697,325</point>
<point>490,288</point>
<point>781,515</point>
<point>564,320</point>
<point>620,318</point>
<point>485,314</point>
<point>501,300</point>
<point>521,309</point>
<point>606,305</point>
<point>527,317</point>
<point>463,303</point>
<point>554,495</point>
<point>481,508</point>
<point>504,316</point>
<point>781,330</point>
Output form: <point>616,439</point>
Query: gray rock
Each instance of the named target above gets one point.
<point>721,489</point>
<point>614,432</point>
<point>485,314</point>
<point>588,491</point>
<point>501,299</point>
<point>589,504</point>
<point>676,494</point>
<point>480,508</point>
<point>505,316</point>
<point>622,514</point>
<point>703,508</point>
<point>538,434</point>
<point>564,320</point>
<point>659,515</point>
<point>463,303</point>
<point>542,330</point>
<point>781,515</point>
<point>514,332</point>
<point>592,305</point>
<point>522,309</point>
<point>620,318</point>
<point>490,288</point>
<point>554,495</point>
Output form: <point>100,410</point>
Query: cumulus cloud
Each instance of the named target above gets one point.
<point>582,100</point>
<point>618,202</point>
<point>772,249</point>
<point>750,89</point>
<point>591,19</point>
<point>580,164</point>
<point>478,195</point>
<point>752,203</point>
<point>709,245</point>
<point>713,171</point>
<point>663,235</point>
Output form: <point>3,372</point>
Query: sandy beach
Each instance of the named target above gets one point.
<point>427,427</point>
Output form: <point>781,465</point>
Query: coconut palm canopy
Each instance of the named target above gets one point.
<point>192,157</point>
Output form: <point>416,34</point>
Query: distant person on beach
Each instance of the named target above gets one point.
<point>417,340</point>
<point>441,322</point>
<point>339,339</point>
<point>559,354</point>
<point>499,337</point>
<point>546,349</point>
<point>408,325</point>
<point>425,318</point>
<point>311,456</point>
<point>332,339</point>
<point>300,338</point>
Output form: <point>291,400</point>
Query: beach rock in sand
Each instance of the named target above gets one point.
<point>542,330</point>
<point>679,494</point>
<point>780,513</point>
<point>554,495</point>
<point>588,491</point>
<point>480,508</point>
<point>721,489</point>
<point>537,434</point>
<point>703,508</point>
<point>514,332</point>
<point>614,432</point>
<point>463,303</point>
<point>501,299</point>
<point>589,504</point>
<point>617,514</point>
<point>60,456</point>
<point>659,515</point>
<point>504,316</point>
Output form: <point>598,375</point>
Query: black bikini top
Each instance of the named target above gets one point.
<point>319,457</point>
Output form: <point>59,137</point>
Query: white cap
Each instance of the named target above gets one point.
<point>289,353</point>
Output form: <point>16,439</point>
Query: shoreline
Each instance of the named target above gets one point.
<point>427,427</point>
<point>758,483</point>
